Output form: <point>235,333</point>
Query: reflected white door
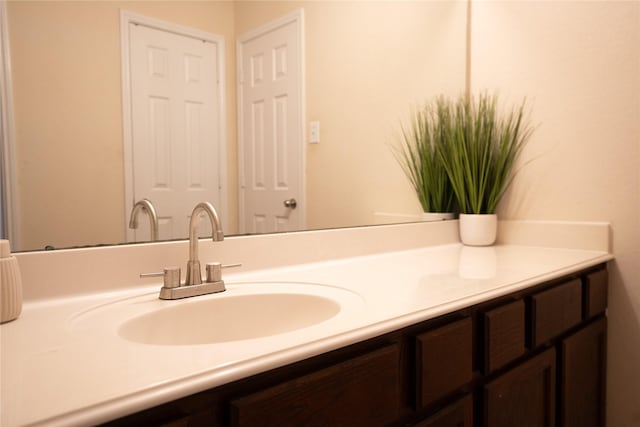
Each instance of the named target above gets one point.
<point>175,127</point>
<point>271,132</point>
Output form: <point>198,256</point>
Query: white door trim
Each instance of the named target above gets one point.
<point>126,18</point>
<point>296,17</point>
<point>8,181</point>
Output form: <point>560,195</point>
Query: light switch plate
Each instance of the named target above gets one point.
<point>314,132</point>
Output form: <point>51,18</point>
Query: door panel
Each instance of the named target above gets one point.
<point>270,132</point>
<point>176,143</point>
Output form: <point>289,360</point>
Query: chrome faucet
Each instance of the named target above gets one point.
<point>193,286</point>
<point>147,206</point>
<point>194,276</point>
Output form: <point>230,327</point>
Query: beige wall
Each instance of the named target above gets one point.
<point>579,65</point>
<point>361,85</point>
<point>65,60</point>
<point>60,134</point>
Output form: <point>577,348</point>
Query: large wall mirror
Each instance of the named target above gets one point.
<point>366,65</point>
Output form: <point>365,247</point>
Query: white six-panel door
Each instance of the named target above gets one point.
<point>175,127</point>
<point>271,132</point>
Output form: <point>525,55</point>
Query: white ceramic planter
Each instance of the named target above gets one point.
<point>478,230</point>
<point>437,216</point>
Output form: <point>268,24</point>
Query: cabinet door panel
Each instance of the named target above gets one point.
<point>363,391</point>
<point>524,396</point>
<point>583,383</point>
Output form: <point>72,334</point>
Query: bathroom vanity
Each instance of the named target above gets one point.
<point>537,355</point>
<point>409,328</point>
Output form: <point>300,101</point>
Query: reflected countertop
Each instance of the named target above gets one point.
<point>58,369</point>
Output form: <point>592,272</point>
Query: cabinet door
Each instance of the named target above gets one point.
<point>457,414</point>
<point>582,388</point>
<point>363,391</point>
<point>523,396</point>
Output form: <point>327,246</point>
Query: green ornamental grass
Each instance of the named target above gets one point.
<point>418,156</point>
<point>479,149</point>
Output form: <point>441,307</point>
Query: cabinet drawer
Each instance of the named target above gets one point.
<point>504,335</point>
<point>362,391</point>
<point>595,296</point>
<point>444,360</point>
<point>555,310</point>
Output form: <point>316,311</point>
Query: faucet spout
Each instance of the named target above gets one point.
<point>147,206</point>
<point>194,275</point>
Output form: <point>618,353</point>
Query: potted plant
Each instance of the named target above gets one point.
<point>419,159</point>
<point>479,152</point>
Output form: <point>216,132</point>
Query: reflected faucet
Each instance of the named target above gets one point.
<point>194,276</point>
<point>147,206</point>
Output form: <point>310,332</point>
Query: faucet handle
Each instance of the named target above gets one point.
<point>214,270</point>
<point>237,264</point>
<point>171,276</point>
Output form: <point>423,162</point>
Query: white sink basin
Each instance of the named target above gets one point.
<point>229,319</point>
<point>245,311</point>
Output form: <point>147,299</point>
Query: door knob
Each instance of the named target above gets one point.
<point>290,203</point>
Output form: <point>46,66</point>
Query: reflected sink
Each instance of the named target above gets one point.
<point>229,318</point>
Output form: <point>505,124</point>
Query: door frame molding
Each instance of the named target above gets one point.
<point>296,17</point>
<point>126,18</point>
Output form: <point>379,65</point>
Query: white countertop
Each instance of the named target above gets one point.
<point>62,361</point>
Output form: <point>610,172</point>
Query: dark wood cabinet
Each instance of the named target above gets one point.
<point>535,357</point>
